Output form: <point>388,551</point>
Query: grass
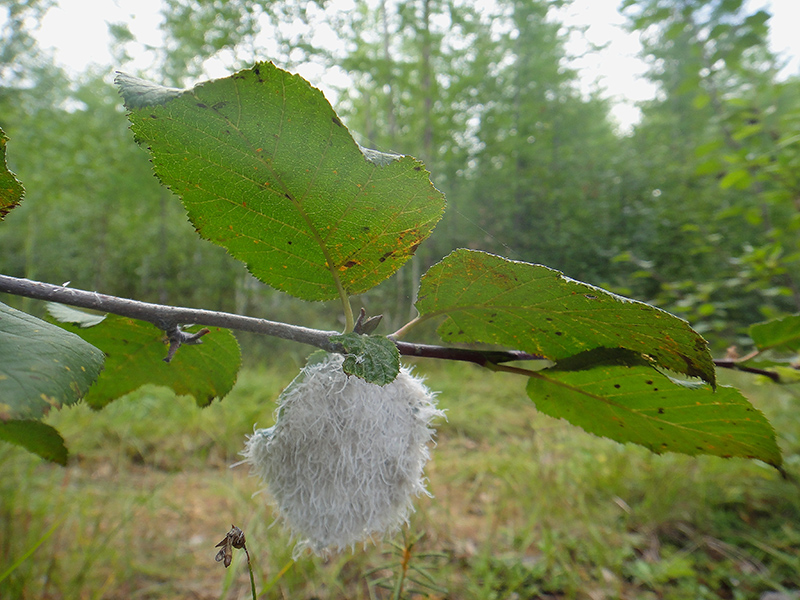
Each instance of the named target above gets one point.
<point>525,507</point>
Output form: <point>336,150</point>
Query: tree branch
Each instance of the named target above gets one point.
<point>168,318</point>
<point>727,363</point>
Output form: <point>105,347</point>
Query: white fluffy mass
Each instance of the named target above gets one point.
<point>345,457</point>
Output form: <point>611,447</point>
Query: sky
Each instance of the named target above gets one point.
<point>77,32</point>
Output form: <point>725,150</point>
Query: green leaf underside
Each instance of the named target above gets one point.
<point>642,406</point>
<point>373,358</point>
<point>493,300</point>
<point>11,189</point>
<point>67,314</point>
<point>778,334</point>
<point>41,366</point>
<point>36,437</point>
<point>267,170</point>
<point>134,357</point>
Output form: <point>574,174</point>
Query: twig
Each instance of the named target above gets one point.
<point>168,318</point>
<point>164,317</point>
<point>178,338</point>
<point>728,363</point>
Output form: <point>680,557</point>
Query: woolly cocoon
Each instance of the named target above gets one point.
<point>345,457</point>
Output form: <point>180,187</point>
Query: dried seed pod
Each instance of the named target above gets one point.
<point>345,457</point>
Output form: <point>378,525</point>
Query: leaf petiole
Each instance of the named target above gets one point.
<point>401,333</point>
<point>349,321</point>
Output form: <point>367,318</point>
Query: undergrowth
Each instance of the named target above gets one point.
<point>525,507</point>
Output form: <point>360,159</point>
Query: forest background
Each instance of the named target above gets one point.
<point>696,209</point>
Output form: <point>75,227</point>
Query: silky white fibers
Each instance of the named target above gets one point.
<point>345,457</point>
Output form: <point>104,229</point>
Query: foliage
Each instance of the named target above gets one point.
<point>493,300</point>
<point>713,228</point>
<point>135,355</point>
<point>638,404</point>
<point>43,368</point>
<point>371,357</point>
<point>10,188</point>
<point>356,215</point>
<point>298,203</point>
<point>697,204</point>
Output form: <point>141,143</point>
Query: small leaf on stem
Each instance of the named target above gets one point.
<point>373,358</point>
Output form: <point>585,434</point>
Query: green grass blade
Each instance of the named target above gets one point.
<point>30,551</point>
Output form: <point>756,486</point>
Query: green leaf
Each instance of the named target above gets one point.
<point>602,356</point>
<point>373,358</point>
<point>709,167</point>
<point>11,189</point>
<point>746,131</point>
<point>638,404</point>
<point>701,101</point>
<point>134,357</point>
<point>739,179</point>
<point>266,169</point>
<point>42,366</point>
<point>777,334</point>
<point>35,437</point>
<point>67,314</point>
<point>788,375</point>
<point>708,148</point>
<point>493,300</point>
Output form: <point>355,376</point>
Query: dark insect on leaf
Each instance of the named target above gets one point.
<point>233,539</point>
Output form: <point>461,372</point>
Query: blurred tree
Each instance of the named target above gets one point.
<point>93,213</point>
<point>543,161</point>
<point>416,68</point>
<point>698,204</point>
<point>234,32</point>
<point>92,205</point>
<point>696,196</point>
<point>18,47</point>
